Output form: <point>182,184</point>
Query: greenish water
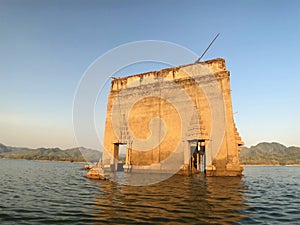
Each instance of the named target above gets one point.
<point>33,192</point>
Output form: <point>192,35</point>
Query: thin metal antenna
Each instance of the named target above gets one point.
<point>198,60</point>
<point>113,77</point>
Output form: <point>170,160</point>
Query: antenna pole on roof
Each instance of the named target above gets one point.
<point>198,60</point>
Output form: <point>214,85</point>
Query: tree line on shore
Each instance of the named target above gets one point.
<point>261,154</point>
<point>53,154</point>
<point>270,154</point>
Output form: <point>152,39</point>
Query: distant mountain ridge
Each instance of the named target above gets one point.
<point>270,154</point>
<point>53,154</point>
<point>261,154</point>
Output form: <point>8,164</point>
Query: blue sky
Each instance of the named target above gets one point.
<point>46,46</point>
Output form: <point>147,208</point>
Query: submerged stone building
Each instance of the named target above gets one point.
<point>177,120</point>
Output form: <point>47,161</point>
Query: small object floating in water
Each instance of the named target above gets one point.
<point>97,172</point>
<point>87,167</point>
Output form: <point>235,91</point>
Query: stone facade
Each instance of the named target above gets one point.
<point>177,120</point>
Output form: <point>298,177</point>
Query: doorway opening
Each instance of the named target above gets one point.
<point>198,158</point>
<point>122,157</point>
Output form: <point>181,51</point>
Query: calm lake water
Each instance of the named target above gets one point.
<point>33,192</point>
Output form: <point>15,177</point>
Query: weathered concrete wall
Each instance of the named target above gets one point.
<point>159,114</point>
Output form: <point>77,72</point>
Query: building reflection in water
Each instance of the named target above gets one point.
<point>180,199</point>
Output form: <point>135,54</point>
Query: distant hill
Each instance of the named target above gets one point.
<point>260,154</point>
<point>54,154</point>
<point>269,154</point>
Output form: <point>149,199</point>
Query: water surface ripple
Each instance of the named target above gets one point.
<point>33,192</point>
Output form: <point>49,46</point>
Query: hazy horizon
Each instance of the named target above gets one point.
<point>99,149</point>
